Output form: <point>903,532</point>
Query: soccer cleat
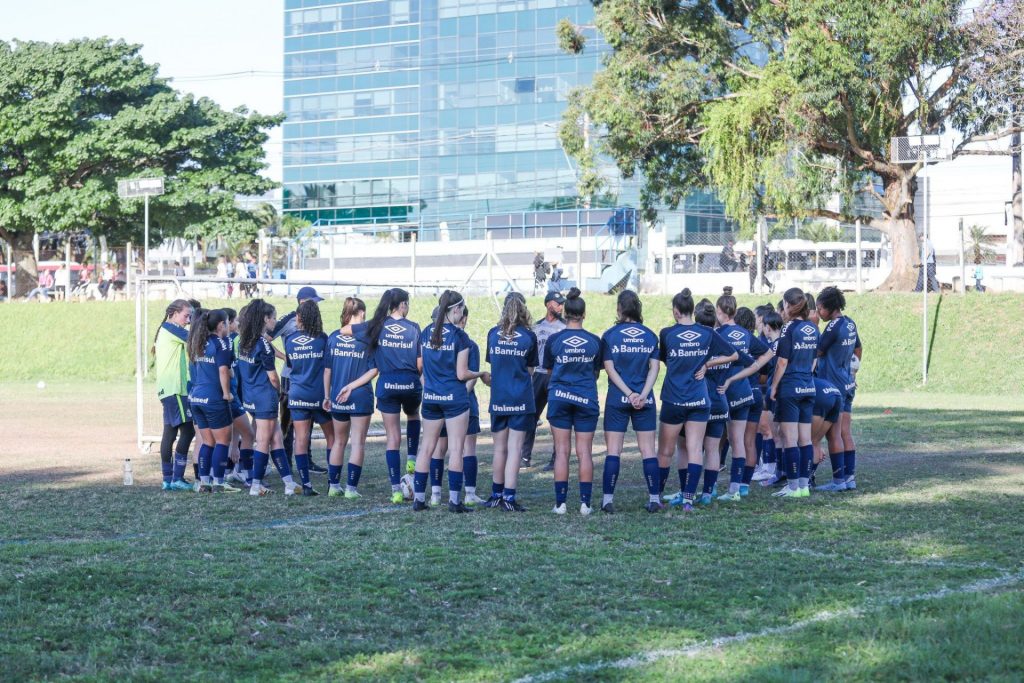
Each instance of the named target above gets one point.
<point>309,491</point>
<point>730,497</point>
<point>458,508</point>
<point>259,490</point>
<point>784,492</point>
<point>559,509</point>
<point>687,507</point>
<point>236,477</point>
<point>204,488</point>
<point>397,498</point>
<point>435,500</point>
<point>289,489</point>
<point>653,507</point>
<point>494,501</point>
<point>228,488</point>
<point>316,468</point>
<point>802,492</point>
<point>197,487</point>
<point>585,509</point>
<point>525,463</point>
<point>406,487</point>
<point>511,505</point>
<point>764,471</point>
<point>336,492</point>
<point>353,495</point>
<point>419,506</point>
<point>410,467</point>
<point>472,500</point>
<point>166,486</point>
<point>676,500</point>
<point>851,484</point>
<point>705,499</point>
<point>608,509</point>
<point>217,488</point>
<point>832,486</point>
<point>744,490</point>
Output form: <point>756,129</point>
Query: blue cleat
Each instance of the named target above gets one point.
<point>851,484</point>
<point>744,490</point>
<point>676,500</point>
<point>832,486</point>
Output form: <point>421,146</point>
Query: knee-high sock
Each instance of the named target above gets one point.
<point>612,463</point>
<point>220,461</point>
<point>302,465</point>
<point>652,476</point>
<point>436,471</point>
<point>205,458</point>
<point>693,472</point>
<point>469,469</point>
<point>394,461</point>
<point>412,438</point>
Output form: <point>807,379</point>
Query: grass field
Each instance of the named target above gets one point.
<point>918,575</point>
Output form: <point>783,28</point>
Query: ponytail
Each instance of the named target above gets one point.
<point>252,324</point>
<point>309,319</point>
<point>349,309</point>
<point>201,330</point>
<point>176,306</point>
<point>797,302</point>
<point>446,303</point>
<point>389,303</point>
<point>513,314</point>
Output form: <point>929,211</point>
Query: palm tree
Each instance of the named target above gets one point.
<point>978,247</point>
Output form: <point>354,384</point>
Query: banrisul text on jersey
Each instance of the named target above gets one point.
<point>510,357</point>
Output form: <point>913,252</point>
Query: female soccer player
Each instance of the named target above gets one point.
<point>210,397</point>
<point>704,314</point>
<point>840,343</point>
<point>793,390</point>
<point>688,350</point>
<point>512,355</point>
<point>349,370</point>
<point>629,351</point>
<point>828,406</point>
<point>169,348</point>
<point>305,350</point>
<point>260,389</point>
<point>740,395</point>
<point>751,438</point>
<point>444,350</point>
<point>242,434</point>
<point>573,356</point>
<point>394,342</point>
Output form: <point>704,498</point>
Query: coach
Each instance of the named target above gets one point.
<point>545,327</point>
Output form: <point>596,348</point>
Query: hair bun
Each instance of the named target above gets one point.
<point>686,291</point>
<point>574,293</point>
<point>727,290</point>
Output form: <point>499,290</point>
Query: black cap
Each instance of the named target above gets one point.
<point>556,297</point>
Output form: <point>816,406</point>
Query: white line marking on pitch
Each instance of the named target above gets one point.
<point>644,658</point>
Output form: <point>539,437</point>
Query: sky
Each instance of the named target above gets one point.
<point>195,42</point>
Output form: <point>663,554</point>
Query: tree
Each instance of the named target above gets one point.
<point>979,247</point>
<point>75,117</point>
<point>777,105</point>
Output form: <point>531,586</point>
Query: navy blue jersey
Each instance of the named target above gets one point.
<point>235,383</point>
<point>630,347</point>
<point>441,382</point>
<point>474,366</point>
<point>835,349</point>
<point>798,344</point>
<point>769,367</point>
<point>684,349</point>
<point>253,368</point>
<point>349,358</point>
<point>574,359</point>
<point>397,347</point>
<point>306,358</point>
<point>510,358</point>
<point>205,371</point>
<point>746,344</point>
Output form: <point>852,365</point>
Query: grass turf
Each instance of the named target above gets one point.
<point>105,582</point>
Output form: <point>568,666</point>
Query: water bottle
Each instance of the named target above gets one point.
<point>128,479</point>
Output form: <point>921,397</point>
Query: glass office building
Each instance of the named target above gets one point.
<point>426,113</point>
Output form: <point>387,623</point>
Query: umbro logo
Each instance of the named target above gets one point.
<point>575,341</point>
<point>736,335</point>
<point>633,332</point>
<point>345,339</point>
<point>302,340</point>
<point>850,326</point>
<point>394,328</point>
<point>510,337</point>
<point>689,335</point>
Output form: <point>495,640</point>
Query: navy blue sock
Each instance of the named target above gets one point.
<point>259,464</point>
<point>509,494</point>
<point>180,463</point>
<point>353,474</point>
<point>280,458</point>
<point>652,476</point>
<point>220,460</point>
<point>769,451</point>
<point>710,479</point>
<point>205,456</point>
<point>806,458</point>
<point>302,465</point>
<point>612,464</point>
<point>245,458</point>
<point>663,474</point>
<point>586,491</point>
<point>791,459</point>
<point>758,444</point>
<point>851,463</point>
<point>195,468</point>
<point>167,470</point>
<point>838,460</point>
<point>419,482</point>
<point>736,470</point>
<point>692,479</point>
<point>412,438</point>
<point>333,474</point>
<point>394,461</point>
<point>496,488</point>
<point>436,471</point>
<point>748,475</point>
<point>454,485</point>
<point>561,492</point>
<point>682,478</point>
<point>469,469</point>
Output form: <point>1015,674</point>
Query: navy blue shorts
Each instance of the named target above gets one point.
<point>798,409</point>
<point>237,410</point>
<point>318,415</point>
<point>674,414</point>
<point>740,413</point>
<point>566,415</point>
<point>261,411</point>
<point>848,401</point>
<point>347,417</point>
<point>618,417</point>
<point>176,410</point>
<point>715,429</point>
<point>474,425</point>
<point>406,402</point>
<point>828,408</point>
<point>520,423</point>
<point>756,408</point>
<point>213,415</point>
<point>443,411</point>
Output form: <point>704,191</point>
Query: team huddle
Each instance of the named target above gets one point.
<point>734,380</point>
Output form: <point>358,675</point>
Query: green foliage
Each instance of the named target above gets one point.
<point>979,245</point>
<point>76,117</point>
<point>821,232</point>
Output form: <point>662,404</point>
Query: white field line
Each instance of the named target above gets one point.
<point>644,658</point>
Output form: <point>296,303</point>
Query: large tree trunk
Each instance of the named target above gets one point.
<point>26,277</point>
<point>1015,254</point>
<point>899,225</point>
